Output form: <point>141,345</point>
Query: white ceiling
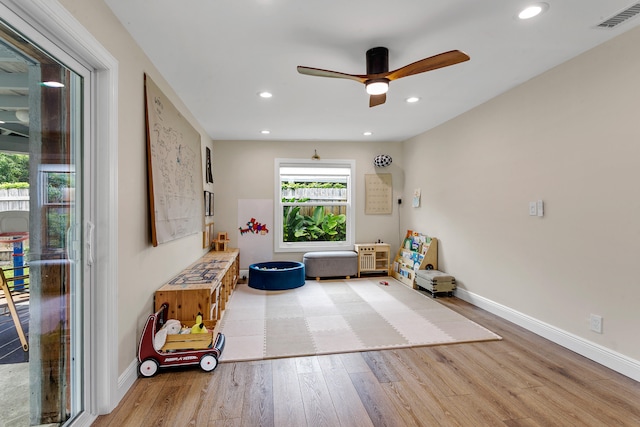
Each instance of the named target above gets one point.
<point>218,54</point>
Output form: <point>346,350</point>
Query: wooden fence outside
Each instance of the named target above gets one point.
<point>14,199</point>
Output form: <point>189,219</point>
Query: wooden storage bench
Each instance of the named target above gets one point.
<point>203,287</point>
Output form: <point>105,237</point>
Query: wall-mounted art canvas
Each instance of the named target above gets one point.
<point>174,158</point>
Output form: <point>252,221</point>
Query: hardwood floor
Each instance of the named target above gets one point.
<point>523,380</point>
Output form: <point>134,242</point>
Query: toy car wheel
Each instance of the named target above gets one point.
<point>208,362</point>
<point>148,367</point>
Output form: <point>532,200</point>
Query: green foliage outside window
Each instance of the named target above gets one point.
<point>6,185</point>
<point>321,225</point>
<point>14,168</point>
<point>57,224</point>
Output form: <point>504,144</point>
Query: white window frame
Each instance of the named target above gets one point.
<point>279,244</point>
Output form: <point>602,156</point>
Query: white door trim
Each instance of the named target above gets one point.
<point>49,24</point>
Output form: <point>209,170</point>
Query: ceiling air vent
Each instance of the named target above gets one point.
<point>618,19</point>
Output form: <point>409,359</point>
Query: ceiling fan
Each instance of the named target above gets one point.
<point>378,75</point>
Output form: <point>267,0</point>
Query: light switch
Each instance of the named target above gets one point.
<point>533,211</point>
<point>540,208</point>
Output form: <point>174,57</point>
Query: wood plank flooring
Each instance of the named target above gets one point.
<point>523,380</point>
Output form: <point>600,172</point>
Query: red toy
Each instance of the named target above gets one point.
<point>179,349</point>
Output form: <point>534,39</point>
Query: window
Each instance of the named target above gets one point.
<point>314,205</point>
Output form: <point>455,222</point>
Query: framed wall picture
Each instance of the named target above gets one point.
<point>207,236</point>
<point>209,172</point>
<point>208,203</point>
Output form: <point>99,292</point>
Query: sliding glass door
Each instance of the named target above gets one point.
<point>42,112</point>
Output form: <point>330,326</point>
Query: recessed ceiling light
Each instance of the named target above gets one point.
<point>265,94</point>
<point>367,133</point>
<point>265,132</point>
<point>533,10</point>
<point>52,84</point>
<point>412,99</point>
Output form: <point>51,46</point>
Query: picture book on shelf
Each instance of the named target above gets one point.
<point>416,242</point>
<point>417,251</point>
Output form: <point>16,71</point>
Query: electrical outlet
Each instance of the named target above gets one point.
<point>595,323</point>
<point>533,210</point>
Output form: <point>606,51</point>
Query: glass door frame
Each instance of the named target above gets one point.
<point>51,26</point>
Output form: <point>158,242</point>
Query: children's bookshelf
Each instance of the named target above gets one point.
<point>417,252</point>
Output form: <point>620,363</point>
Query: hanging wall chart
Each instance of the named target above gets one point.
<point>174,158</point>
<point>378,194</point>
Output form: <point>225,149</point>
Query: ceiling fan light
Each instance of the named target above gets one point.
<point>377,87</point>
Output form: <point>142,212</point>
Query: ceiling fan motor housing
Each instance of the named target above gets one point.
<point>377,60</point>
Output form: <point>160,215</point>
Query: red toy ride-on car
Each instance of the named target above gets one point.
<point>178,349</point>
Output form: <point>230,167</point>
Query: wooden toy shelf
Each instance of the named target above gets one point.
<point>204,287</point>
<point>417,252</point>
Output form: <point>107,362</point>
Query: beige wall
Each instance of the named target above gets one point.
<point>142,268</point>
<point>242,170</point>
<point>245,170</point>
<point>571,138</point>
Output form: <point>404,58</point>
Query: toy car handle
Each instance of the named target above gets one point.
<point>219,342</point>
<point>161,314</point>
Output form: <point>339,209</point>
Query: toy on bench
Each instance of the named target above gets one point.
<point>220,244</point>
<point>159,348</point>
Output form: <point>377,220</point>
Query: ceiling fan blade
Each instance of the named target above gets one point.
<point>432,63</point>
<point>377,99</point>
<point>328,73</point>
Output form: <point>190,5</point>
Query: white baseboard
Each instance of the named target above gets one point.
<point>126,380</point>
<point>607,357</point>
